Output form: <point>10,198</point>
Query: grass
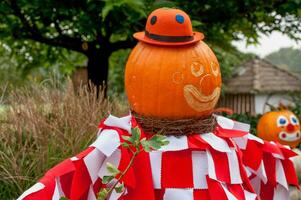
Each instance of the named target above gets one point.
<point>43,126</point>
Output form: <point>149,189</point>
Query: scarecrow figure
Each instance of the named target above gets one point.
<point>173,83</point>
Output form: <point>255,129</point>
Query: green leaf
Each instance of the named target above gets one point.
<point>115,37</point>
<point>136,134</point>
<point>125,145</point>
<point>127,138</point>
<point>105,11</point>
<point>146,146</point>
<point>154,143</point>
<point>107,179</point>
<point>119,188</point>
<point>134,5</point>
<point>112,169</point>
<point>102,194</point>
<point>196,23</point>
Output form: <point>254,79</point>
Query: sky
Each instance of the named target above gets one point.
<point>268,44</point>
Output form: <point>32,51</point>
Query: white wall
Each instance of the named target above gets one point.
<point>261,99</point>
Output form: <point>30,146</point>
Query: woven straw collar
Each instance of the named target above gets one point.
<point>176,127</point>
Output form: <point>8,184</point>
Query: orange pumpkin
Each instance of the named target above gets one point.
<point>280,126</point>
<point>169,74</point>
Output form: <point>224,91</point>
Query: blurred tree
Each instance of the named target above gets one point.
<point>97,28</point>
<point>116,73</point>
<point>287,58</point>
<point>23,61</point>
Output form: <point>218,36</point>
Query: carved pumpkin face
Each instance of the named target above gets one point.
<point>168,82</point>
<point>281,126</point>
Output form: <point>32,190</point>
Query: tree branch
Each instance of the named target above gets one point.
<point>31,31</point>
<point>123,45</point>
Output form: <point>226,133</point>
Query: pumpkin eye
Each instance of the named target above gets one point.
<point>153,20</point>
<point>282,121</point>
<point>294,120</point>
<point>179,19</point>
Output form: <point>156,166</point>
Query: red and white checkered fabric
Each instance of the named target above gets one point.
<point>270,169</point>
<point>202,166</point>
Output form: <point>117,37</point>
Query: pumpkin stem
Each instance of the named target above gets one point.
<point>282,106</point>
<point>272,108</point>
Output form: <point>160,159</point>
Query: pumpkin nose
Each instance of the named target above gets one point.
<point>290,128</point>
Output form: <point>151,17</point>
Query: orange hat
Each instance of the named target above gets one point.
<point>168,27</point>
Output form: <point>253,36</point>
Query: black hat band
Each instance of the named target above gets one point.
<point>164,38</point>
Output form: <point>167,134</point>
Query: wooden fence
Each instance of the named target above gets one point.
<point>239,103</point>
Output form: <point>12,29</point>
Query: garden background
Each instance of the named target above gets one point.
<point>42,43</point>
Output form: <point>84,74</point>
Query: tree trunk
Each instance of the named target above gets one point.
<point>98,68</point>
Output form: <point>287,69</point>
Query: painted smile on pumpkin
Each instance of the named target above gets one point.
<point>289,137</point>
<point>197,100</point>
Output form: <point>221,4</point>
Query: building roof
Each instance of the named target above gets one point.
<point>260,76</point>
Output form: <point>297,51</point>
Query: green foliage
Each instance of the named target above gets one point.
<point>9,73</point>
<point>102,194</point>
<point>296,108</point>
<point>116,71</point>
<point>26,62</point>
<point>120,188</point>
<point>30,55</point>
<point>287,58</point>
<point>134,139</point>
<point>87,27</point>
<point>222,21</point>
<point>107,179</point>
<point>154,143</point>
<point>106,26</point>
<point>112,169</point>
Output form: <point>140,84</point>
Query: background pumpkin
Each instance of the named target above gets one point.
<point>269,127</point>
<point>172,82</point>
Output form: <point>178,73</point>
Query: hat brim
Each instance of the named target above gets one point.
<point>197,36</point>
